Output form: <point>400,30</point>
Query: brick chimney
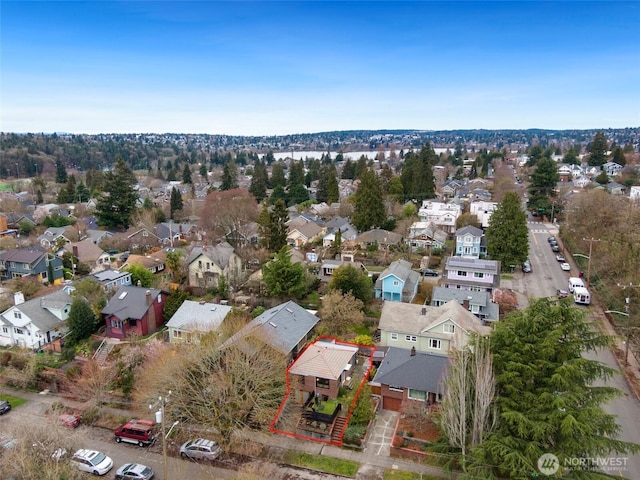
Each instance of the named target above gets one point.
<point>148,295</point>
<point>424,310</point>
<point>413,351</point>
<point>466,302</point>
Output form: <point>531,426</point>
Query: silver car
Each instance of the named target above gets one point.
<point>134,471</point>
<point>201,448</point>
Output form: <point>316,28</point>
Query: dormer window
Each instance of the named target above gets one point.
<point>449,328</point>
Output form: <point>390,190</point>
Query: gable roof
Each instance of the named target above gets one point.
<point>130,302</point>
<point>422,371</point>
<point>308,230</point>
<point>37,310</point>
<point>379,236</point>
<point>469,229</point>
<point>199,316</point>
<point>220,254</point>
<point>409,318</point>
<point>402,270</point>
<point>324,360</point>
<point>281,327</point>
<point>147,261</point>
<point>22,255</point>
<point>87,250</point>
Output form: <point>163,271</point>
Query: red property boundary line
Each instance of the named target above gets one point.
<point>365,378</point>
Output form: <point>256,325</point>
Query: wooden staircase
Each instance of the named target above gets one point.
<point>338,428</point>
<point>103,351</point>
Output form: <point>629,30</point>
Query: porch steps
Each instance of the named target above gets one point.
<point>338,428</point>
<point>103,352</point>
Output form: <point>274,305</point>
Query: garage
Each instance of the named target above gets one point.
<point>389,403</point>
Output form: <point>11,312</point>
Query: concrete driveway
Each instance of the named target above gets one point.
<point>381,434</point>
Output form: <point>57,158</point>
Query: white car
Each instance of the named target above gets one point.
<point>91,461</point>
<point>201,448</point>
<point>565,266</point>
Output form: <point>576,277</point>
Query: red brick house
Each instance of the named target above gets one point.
<point>134,311</point>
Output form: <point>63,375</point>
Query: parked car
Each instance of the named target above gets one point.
<point>551,239</point>
<point>134,471</point>
<point>555,248</point>
<point>526,266</point>
<point>140,432</point>
<point>562,293</point>
<point>201,448</point>
<point>91,461</point>
<point>68,420</point>
<point>4,407</point>
<point>560,257</point>
<point>427,272</point>
<point>565,266</point>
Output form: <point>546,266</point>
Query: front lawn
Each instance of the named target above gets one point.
<point>14,401</point>
<point>322,463</point>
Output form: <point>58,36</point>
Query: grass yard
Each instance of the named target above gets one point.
<point>321,463</point>
<point>390,474</point>
<point>14,401</point>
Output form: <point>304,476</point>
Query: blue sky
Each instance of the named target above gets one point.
<point>263,68</point>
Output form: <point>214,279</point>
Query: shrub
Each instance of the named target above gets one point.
<point>398,441</point>
<point>18,362</point>
<point>57,407</point>
<point>6,357</point>
<point>91,415</point>
<point>354,433</point>
<point>73,371</point>
<point>410,434</point>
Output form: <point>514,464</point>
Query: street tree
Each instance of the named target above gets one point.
<point>118,201</point>
<point>284,278</point>
<point>339,312</point>
<point>549,396</point>
<point>175,264</point>
<point>369,208</point>
<point>542,186</point>
<point>348,278</point>
<point>507,234</point>
<point>229,176</point>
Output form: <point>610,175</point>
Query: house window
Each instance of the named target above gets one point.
<point>322,382</point>
<point>26,266</point>
<point>116,323</point>
<point>145,233</point>
<point>177,333</point>
<point>396,283</point>
<point>208,265</point>
<point>411,338</point>
<point>478,275</point>
<point>200,264</point>
<point>394,336</point>
<point>396,389</point>
<point>449,328</point>
<point>462,273</point>
<point>58,268</point>
<point>17,315</point>
<point>18,331</point>
<point>417,394</point>
<point>13,264</point>
<point>5,330</point>
<point>435,343</point>
<point>44,275</point>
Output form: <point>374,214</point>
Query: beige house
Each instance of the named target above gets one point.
<point>207,264</point>
<point>300,235</point>
<point>436,330</point>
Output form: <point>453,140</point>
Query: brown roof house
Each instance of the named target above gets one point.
<point>299,235</point>
<point>154,262</point>
<point>87,252</point>
<point>134,311</point>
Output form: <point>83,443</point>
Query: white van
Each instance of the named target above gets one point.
<point>582,296</point>
<point>575,282</point>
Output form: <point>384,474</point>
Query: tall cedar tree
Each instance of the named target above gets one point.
<point>204,173</point>
<point>229,176</point>
<point>368,209</point>
<point>284,278</point>
<point>298,193</point>
<point>417,174</point>
<point>549,397</point>
<point>81,321</point>
<point>118,202</point>
<point>61,172</point>
<point>273,226</point>
<point>259,181</point>
<point>296,173</point>
<point>543,184</point>
<point>277,176</point>
<point>186,174</point>
<point>507,233</point>
<point>176,202</point>
<point>598,150</point>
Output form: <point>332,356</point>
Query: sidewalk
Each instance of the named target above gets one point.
<point>373,461</point>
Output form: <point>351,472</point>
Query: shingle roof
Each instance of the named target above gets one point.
<point>380,236</point>
<point>403,271</point>
<point>422,371</point>
<point>469,229</point>
<point>220,254</point>
<point>87,250</point>
<point>324,360</point>
<point>474,264</point>
<point>200,317</point>
<point>36,310</point>
<point>21,255</point>
<point>282,327</point>
<point>130,302</point>
<point>444,294</point>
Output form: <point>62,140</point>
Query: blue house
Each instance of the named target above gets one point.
<point>398,283</point>
<point>42,266</point>
<point>470,242</point>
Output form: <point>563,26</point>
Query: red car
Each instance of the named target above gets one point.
<point>68,420</point>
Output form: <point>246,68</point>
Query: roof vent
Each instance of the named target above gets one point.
<point>213,309</point>
<point>290,311</point>
<point>122,295</point>
<point>273,325</point>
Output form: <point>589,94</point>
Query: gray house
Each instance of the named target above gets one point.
<point>195,319</point>
<point>478,303</point>
<point>20,262</point>
<point>286,328</point>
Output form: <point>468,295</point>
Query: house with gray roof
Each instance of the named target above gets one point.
<point>478,303</point>
<point>134,311</point>
<point>426,235</point>
<point>36,322</point>
<point>286,328</point>
<point>406,375</point>
<point>22,262</point>
<point>97,236</point>
<point>471,274</point>
<point>51,235</point>
<point>377,236</point>
<point>470,242</point>
<point>194,319</point>
<point>112,279</point>
<point>398,283</point>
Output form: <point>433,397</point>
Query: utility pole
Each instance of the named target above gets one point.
<point>160,418</point>
<point>590,240</point>
<point>627,308</point>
